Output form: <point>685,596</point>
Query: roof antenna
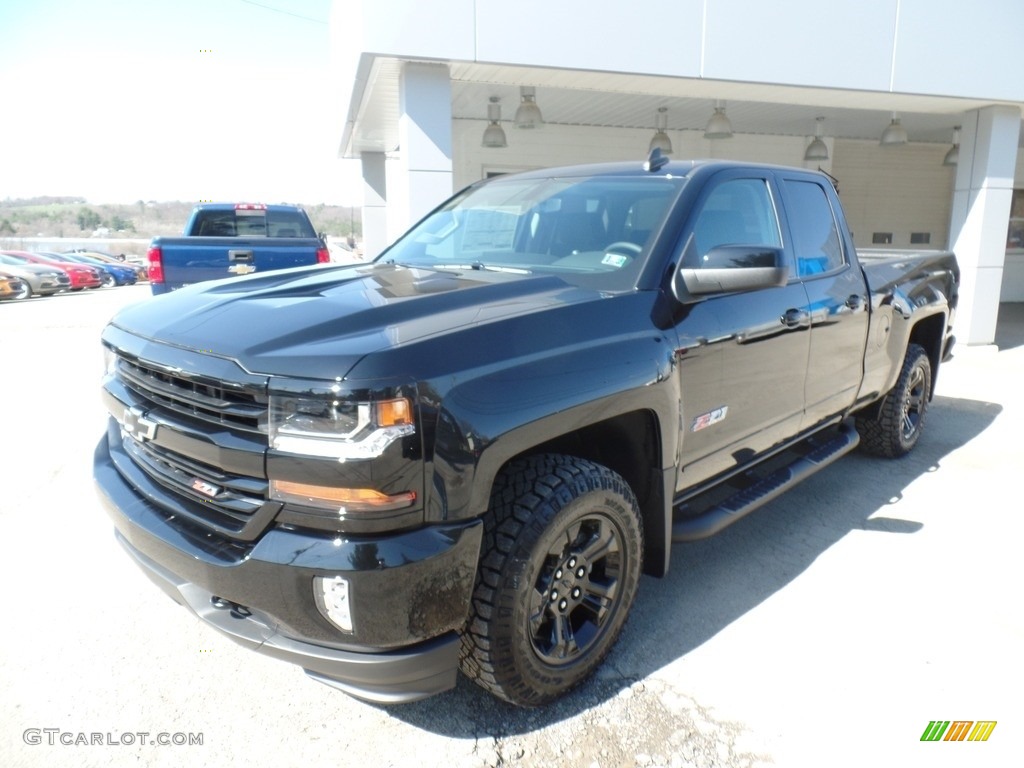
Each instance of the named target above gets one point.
<point>833,179</point>
<point>655,161</point>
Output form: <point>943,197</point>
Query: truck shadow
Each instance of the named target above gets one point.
<point>712,583</point>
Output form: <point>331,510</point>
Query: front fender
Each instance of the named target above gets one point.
<point>485,422</point>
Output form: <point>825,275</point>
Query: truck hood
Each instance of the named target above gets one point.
<point>318,322</point>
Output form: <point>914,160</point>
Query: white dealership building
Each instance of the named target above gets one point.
<point>917,105</point>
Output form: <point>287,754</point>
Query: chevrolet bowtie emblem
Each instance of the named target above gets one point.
<point>137,425</point>
<point>242,269</point>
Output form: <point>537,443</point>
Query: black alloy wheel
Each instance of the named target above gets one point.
<point>560,567</point>
<point>898,425</point>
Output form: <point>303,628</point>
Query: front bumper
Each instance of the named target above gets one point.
<point>409,591</point>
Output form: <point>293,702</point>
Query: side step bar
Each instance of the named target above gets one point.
<point>743,502</point>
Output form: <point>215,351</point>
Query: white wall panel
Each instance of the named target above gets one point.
<point>652,37</point>
<point>960,48</point>
<point>801,42</point>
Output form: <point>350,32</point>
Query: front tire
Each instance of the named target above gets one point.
<point>561,562</point>
<point>897,428</point>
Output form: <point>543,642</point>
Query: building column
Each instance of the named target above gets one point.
<point>375,200</point>
<point>980,216</point>
<point>425,144</point>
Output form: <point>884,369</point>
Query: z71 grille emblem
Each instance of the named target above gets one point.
<point>137,425</point>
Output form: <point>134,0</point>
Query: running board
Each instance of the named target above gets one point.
<point>745,501</point>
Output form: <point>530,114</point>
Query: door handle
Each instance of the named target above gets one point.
<point>794,318</point>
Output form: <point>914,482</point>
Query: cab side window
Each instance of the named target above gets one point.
<point>737,212</point>
<point>816,238</point>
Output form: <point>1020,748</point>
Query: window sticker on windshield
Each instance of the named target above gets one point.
<point>489,230</point>
<point>615,260</point>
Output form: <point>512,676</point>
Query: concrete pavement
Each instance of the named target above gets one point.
<point>828,628</point>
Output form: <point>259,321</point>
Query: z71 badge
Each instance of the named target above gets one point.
<point>705,420</point>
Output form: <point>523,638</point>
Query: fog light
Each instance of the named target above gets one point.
<point>332,599</point>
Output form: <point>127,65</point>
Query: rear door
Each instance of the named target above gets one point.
<point>742,383</point>
<point>836,291</point>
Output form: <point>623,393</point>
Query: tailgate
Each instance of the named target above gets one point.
<point>212,258</point>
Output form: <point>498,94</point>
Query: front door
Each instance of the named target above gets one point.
<point>742,384</point>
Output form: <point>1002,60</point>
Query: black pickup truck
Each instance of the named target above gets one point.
<point>466,453</point>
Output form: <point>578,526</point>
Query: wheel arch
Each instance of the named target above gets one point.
<point>929,333</point>
<point>630,444</point>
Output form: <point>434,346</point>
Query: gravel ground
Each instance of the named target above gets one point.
<point>829,628</point>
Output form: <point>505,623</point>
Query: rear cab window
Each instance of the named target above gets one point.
<point>251,221</point>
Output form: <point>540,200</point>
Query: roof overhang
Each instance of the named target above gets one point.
<point>592,98</point>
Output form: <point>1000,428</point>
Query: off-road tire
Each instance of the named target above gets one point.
<point>897,427</point>
<point>560,565</point>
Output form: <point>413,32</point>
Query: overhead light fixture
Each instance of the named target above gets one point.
<point>894,133</point>
<point>660,140</point>
<point>494,135</point>
<point>953,156</point>
<point>718,126</point>
<point>817,149</point>
<point>528,115</point>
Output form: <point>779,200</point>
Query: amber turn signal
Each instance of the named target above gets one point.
<point>345,499</point>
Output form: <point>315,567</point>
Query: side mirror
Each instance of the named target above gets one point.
<point>730,269</point>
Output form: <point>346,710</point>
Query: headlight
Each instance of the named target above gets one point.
<point>332,427</point>
<point>109,361</point>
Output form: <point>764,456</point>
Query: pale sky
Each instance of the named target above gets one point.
<point>125,100</point>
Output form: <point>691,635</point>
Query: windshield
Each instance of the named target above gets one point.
<point>593,231</point>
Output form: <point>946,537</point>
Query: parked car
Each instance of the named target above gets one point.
<point>80,275</point>
<point>38,278</point>
<point>141,273</point>
<point>110,274</point>
<point>120,258</point>
<point>10,286</point>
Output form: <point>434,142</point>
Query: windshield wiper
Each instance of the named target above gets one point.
<point>480,266</point>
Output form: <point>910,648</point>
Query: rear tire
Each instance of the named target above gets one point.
<point>24,293</point>
<point>561,562</point>
<point>900,420</point>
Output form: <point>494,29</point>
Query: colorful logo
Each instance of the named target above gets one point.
<point>958,730</point>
